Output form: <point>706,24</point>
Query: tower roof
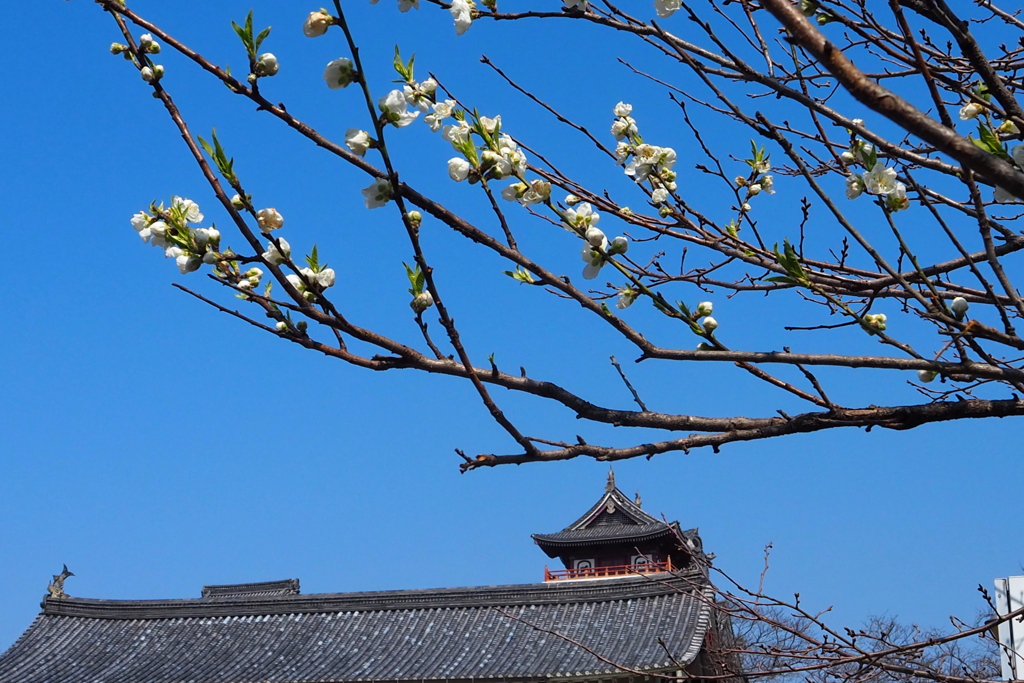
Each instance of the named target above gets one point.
<point>613,519</point>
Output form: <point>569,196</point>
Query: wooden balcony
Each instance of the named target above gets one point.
<point>605,572</point>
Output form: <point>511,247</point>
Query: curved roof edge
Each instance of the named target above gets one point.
<point>622,588</point>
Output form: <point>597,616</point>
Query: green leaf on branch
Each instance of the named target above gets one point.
<point>245,33</point>
<point>417,278</point>
<point>988,141</point>
<point>522,275</point>
<point>219,157</point>
<point>313,260</point>
<point>404,70</point>
<point>790,262</point>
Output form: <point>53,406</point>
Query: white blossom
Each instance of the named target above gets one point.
<point>462,12</point>
<point>396,109</point>
<point>458,169</point>
<point>490,125</point>
<point>457,133</point>
<point>666,8</point>
<point>537,192</point>
<point>338,74</point>
<point>622,109</point>
<point>269,219</point>
<point>267,65</point>
<point>582,217</point>
<point>595,237</point>
<point>421,302</point>
<point>624,127</point>
<point>897,200</point>
<point>619,245</point>
<point>206,236</point>
<point>326,278</point>
<point>627,295</point>
<point>187,209</point>
<point>317,23</point>
<point>378,194</point>
<point>854,186</point>
<point>442,110</point>
<point>358,141</point>
<point>1008,127</point>
<point>594,260</point>
<point>768,184</point>
<point>275,255</point>
<point>710,324</point>
<point>188,263</point>
<point>514,191</point>
<point>880,179</point>
<point>406,5</point>
<point>959,307</point>
<point>660,195</point>
<point>971,110</point>
<point>511,153</point>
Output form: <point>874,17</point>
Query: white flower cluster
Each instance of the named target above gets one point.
<point>759,179</point>
<point>1001,195</point>
<point>643,162</point>
<point>878,179</point>
<point>703,310</point>
<point>169,229</point>
<point>310,282</point>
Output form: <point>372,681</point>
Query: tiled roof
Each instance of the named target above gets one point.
<point>425,635</point>
<point>612,519</point>
<point>608,533</point>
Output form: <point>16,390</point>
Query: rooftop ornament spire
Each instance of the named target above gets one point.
<point>610,486</point>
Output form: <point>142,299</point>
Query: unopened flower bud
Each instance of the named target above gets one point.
<point>415,218</point>
<point>754,189</point>
<point>710,324</point>
<point>267,65</point>
<point>421,302</point>
<point>317,23</point>
<point>927,375</point>
<point>302,325</point>
<point>619,245</point>
<point>117,48</point>
<point>269,219</point>
<point>704,346</point>
<point>571,200</point>
<point>594,237</point>
<point>281,326</point>
<point>959,307</point>
<point>237,202</point>
<point>147,74</point>
<point>1008,127</point>
<point>704,308</point>
<point>740,181</point>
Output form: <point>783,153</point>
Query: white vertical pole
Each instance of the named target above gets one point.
<point>1010,597</point>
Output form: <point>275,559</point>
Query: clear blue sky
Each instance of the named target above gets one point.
<point>155,445</point>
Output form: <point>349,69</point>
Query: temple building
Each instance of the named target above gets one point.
<point>631,603</point>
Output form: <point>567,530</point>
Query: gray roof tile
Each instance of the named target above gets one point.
<point>427,635</point>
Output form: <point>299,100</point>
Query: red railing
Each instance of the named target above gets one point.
<point>602,572</point>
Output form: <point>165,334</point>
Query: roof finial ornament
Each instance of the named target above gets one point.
<point>610,486</point>
<point>56,587</point>
<point>639,501</point>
